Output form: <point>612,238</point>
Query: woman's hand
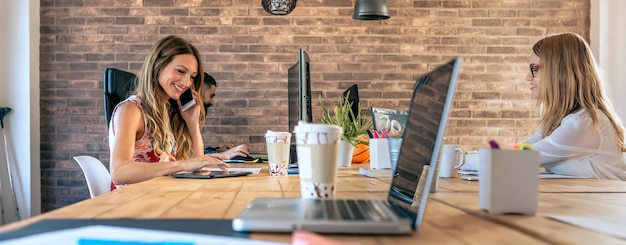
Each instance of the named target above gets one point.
<point>212,160</point>
<point>240,150</point>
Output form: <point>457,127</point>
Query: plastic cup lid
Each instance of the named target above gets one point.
<point>276,133</point>
<point>304,127</point>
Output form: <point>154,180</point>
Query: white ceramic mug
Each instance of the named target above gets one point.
<point>452,158</point>
<point>471,162</point>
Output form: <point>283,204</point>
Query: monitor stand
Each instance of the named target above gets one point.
<point>293,160</point>
<point>293,156</point>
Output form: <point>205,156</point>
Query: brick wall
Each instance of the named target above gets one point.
<point>248,51</point>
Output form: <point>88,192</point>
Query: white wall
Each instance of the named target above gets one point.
<point>19,90</point>
<point>608,41</point>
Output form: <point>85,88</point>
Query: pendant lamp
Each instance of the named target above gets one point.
<point>370,10</point>
<point>279,7</point>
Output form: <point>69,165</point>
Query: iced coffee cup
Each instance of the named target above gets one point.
<point>317,147</point>
<point>278,152</point>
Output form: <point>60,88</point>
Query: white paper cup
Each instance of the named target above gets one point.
<point>317,146</point>
<point>278,152</point>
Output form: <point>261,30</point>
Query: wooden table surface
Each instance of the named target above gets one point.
<point>452,214</point>
<point>545,185</point>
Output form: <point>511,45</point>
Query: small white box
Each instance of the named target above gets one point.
<point>379,154</point>
<point>509,181</point>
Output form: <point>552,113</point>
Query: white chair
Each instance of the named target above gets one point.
<point>97,176</point>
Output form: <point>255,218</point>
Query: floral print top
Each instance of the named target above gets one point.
<point>144,150</point>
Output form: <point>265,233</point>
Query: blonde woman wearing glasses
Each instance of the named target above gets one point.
<point>580,134</point>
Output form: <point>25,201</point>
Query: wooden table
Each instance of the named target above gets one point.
<point>452,215</point>
<point>581,197</point>
<point>545,185</point>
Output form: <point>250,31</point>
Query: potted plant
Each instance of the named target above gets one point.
<point>354,126</point>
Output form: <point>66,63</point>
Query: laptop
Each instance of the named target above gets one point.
<point>403,210</point>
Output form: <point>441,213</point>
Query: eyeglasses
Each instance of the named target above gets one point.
<point>534,68</point>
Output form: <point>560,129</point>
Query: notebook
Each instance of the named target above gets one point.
<point>403,210</point>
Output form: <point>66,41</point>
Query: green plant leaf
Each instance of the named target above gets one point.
<point>342,114</point>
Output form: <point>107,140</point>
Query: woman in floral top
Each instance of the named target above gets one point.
<point>149,134</point>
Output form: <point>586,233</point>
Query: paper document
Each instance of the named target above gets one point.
<point>100,234</point>
<point>473,175</point>
<point>558,176</point>
<point>613,226</point>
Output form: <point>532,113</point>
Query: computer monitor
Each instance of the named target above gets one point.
<point>299,89</point>
<point>352,94</point>
<point>299,93</point>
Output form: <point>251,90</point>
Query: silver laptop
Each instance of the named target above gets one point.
<point>404,208</point>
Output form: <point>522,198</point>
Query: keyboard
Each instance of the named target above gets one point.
<point>347,209</point>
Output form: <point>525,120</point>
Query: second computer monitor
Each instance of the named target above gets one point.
<point>299,93</point>
<point>299,89</point>
<point>351,95</point>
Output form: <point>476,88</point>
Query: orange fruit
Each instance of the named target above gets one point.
<point>361,152</point>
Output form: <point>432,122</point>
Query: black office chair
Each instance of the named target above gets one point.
<point>118,85</point>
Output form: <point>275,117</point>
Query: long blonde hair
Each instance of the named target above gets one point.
<point>570,82</point>
<point>168,128</point>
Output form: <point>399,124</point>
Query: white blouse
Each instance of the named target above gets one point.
<point>577,148</point>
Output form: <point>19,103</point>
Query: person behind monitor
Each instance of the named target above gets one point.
<point>149,134</point>
<point>580,134</point>
<point>230,150</point>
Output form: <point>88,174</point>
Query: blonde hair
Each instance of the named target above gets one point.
<point>570,82</point>
<point>169,130</point>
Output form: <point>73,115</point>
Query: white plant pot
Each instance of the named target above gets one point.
<point>344,157</point>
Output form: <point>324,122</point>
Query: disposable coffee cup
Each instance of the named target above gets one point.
<point>278,152</point>
<point>317,147</point>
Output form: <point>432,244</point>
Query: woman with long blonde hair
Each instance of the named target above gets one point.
<point>150,135</point>
<point>580,134</point>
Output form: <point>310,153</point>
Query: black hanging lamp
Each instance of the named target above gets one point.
<point>370,10</point>
<point>279,7</point>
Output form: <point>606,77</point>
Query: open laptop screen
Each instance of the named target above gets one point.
<point>428,113</point>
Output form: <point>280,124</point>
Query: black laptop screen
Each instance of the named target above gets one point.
<point>428,114</point>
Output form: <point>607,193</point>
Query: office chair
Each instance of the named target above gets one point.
<point>118,85</point>
<point>97,176</point>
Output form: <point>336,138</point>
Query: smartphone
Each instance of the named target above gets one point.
<point>186,99</point>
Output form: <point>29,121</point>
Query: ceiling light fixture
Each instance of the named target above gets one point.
<point>370,10</point>
<point>279,7</point>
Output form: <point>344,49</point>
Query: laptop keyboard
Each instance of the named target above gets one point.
<point>347,209</point>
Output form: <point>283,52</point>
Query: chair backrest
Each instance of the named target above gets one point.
<point>97,176</point>
<point>118,85</point>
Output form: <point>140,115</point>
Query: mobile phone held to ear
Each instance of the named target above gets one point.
<point>186,99</point>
